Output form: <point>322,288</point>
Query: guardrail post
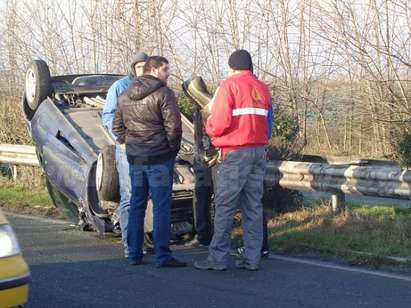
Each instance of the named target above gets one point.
<point>14,173</point>
<point>338,202</point>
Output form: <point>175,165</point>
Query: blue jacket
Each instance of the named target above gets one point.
<point>116,89</point>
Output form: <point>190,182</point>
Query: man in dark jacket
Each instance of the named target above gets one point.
<point>148,121</point>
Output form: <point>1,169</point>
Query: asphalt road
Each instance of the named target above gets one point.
<point>77,269</point>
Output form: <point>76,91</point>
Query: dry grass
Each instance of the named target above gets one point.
<point>378,231</point>
<point>371,235</point>
<point>383,223</point>
<point>30,177</point>
<point>13,130</point>
<point>12,126</point>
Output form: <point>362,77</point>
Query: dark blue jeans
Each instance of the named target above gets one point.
<point>155,181</point>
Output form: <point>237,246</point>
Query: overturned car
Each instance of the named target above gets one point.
<point>63,116</point>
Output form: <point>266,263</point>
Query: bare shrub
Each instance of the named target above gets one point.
<point>13,129</point>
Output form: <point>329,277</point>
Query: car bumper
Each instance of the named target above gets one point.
<point>14,281</point>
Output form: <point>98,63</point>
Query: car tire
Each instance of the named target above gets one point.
<point>60,201</point>
<point>37,83</point>
<point>107,181</point>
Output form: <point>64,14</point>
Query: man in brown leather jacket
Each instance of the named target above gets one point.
<point>148,121</point>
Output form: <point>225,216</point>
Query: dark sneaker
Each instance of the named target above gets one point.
<point>240,251</point>
<point>195,243</point>
<point>264,253</point>
<point>135,261</point>
<point>208,265</point>
<point>243,264</point>
<point>148,250</point>
<point>172,262</point>
<point>117,232</point>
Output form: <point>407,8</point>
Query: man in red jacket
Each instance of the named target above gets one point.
<point>238,126</point>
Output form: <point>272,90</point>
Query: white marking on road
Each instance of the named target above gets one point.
<point>272,257</point>
<point>341,267</point>
<point>318,264</point>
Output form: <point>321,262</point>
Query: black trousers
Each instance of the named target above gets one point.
<point>203,192</point>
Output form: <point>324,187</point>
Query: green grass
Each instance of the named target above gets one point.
<point>28,200</point>
<point>338,244</point>
<point>364,234</point>
<point>20,195</point>
<point>369,231</point>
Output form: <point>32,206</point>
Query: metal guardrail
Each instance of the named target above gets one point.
<point>339,179</point>
<point>16,154</point>
<point>377,181</point>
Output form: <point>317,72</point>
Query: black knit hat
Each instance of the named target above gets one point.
<point>240,60</point>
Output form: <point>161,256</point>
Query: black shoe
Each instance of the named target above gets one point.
<point>265,254</point>
<point>243,264</point>
<point>240,251</point>
<point>148,250</point>
<point>172,262</point>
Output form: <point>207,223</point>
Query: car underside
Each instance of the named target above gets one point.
<point>63,116</point>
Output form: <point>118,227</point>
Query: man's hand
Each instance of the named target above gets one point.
<point>205,113</point>
<point>123,146</point>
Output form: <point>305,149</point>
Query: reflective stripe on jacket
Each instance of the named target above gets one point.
<point>239,112</point>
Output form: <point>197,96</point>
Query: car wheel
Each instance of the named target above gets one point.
<point>107,182</point>
<point>60,201</point>
<point>37,83</point>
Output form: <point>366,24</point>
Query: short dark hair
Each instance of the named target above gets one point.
<point>154,62</point>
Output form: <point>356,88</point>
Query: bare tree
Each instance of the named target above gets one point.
<point>341,67</point>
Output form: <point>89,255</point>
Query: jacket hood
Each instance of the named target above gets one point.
<point>139,57</point>
<point>143,86</point>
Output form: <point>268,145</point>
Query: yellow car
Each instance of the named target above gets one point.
<point>14,272</point>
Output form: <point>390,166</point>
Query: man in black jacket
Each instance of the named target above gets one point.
<point>148,121</point>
